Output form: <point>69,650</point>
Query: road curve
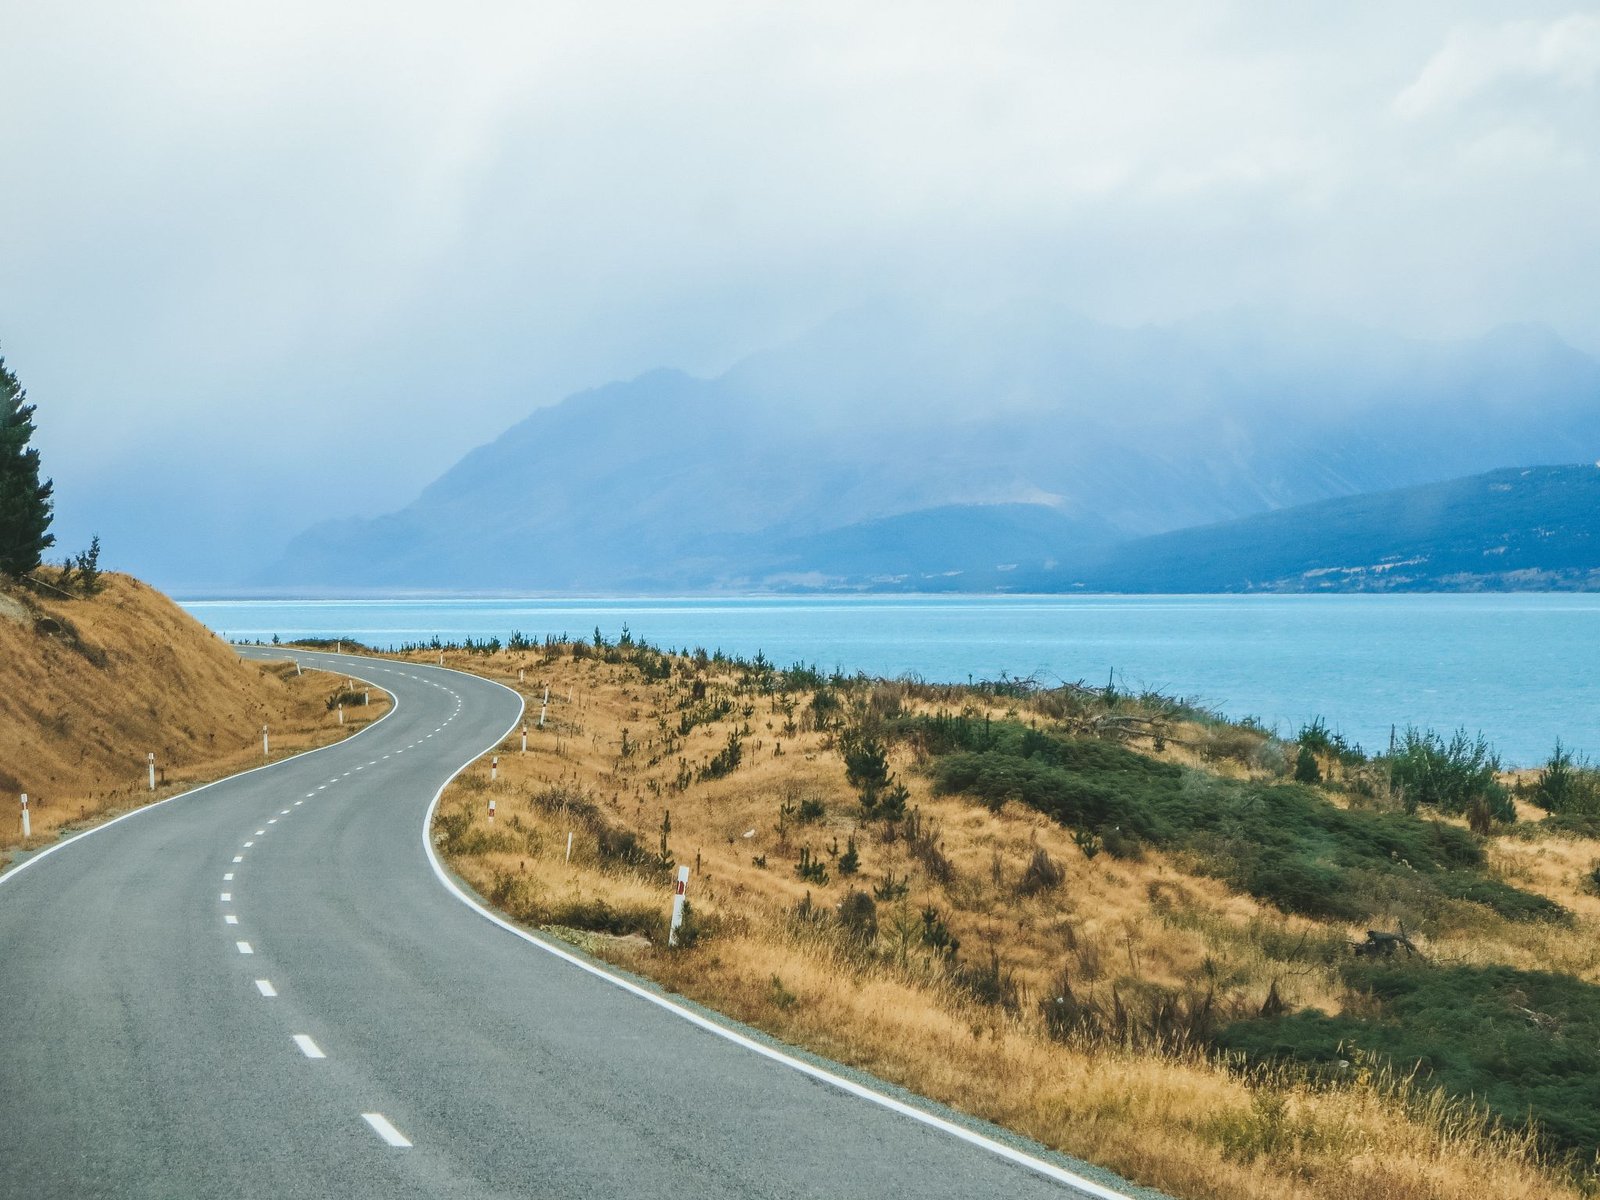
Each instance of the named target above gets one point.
<point>264,987</point>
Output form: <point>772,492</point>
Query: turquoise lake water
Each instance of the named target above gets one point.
<point>1520,668</point>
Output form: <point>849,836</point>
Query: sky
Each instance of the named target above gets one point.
<point>267,265</point>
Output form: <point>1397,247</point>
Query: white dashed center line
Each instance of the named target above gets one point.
<point>227,877</point>
<point>298,803</point>
<point>230,919</point>
<point>264,986</point>
<point>307,1047</point>
<point>247,846</point>
<point>260,832</point>
<point>227,897</point>
<point>380,1126</point>
<point>244,947</point>
<point>284,813</point>
<point>238,858</point>
<point>272,820</point>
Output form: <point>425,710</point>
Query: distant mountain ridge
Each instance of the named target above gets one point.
<point>897,448</point>
<point>1519,529</point>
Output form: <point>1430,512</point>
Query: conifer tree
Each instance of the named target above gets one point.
<point>24,501</point>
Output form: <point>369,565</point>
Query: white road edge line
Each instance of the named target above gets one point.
<point>264,986</point>
<point>307,1047</point>
<point>380,1126</point>
<point>17,869</point>
<point>973,1138</point>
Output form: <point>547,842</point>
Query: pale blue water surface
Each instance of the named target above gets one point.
<point>1520,668</point>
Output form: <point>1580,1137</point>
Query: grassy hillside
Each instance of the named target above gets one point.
<point>1518,529</point>
<point>1077,913</point>
<point>89,685</point>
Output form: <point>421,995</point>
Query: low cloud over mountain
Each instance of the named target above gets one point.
<point>900,448</point>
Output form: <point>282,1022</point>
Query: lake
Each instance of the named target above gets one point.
<point>1520,668</point>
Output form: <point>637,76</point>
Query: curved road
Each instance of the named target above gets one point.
<point>264,988</point>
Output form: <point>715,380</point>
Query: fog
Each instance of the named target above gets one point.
<point>264,266</point>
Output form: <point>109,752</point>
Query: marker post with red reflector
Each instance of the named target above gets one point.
<point>678,895</point>
<point>27,823</point>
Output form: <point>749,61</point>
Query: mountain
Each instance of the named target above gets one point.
<point>1520,529</point>
<point>812,461</point>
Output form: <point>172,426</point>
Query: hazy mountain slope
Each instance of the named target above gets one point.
<point>955,548</point>
<point>667,481</point>
<point>1512,529</point>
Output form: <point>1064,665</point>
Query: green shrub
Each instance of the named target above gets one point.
<point>1449,775</point>
<point>1306,769</point>
<point>1567,785</point>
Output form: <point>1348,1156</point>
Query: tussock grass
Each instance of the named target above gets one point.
<point>1156,951</point>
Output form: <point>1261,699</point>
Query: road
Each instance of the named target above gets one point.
<point>267,987</point>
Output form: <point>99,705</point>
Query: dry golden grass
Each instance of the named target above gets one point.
<point>1163,1116</point>
<point>126,673</point>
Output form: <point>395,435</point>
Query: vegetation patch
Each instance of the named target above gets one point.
<point>1525,1044</point>
<point>1284,843</point>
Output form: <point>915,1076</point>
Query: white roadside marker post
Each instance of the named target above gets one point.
<point>266,745</point>
<point>441,658</point>
<point>524,739</point>
<point>366,697</point>
<point>569,845</point>
<point>297,670</point>
<point>27,824</point>
<point>341,714</point>
<point>338,647</point>
<point>678,894</point>
<point>491,811</point>
<point>494,768</point>
<point>522,674</point>
<point>150,761</point>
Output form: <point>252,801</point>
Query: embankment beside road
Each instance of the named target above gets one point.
<point>92,684</point>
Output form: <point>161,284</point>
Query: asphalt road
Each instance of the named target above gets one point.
<point>265,987</point>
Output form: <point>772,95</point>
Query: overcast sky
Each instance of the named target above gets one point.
<point>262,264</point>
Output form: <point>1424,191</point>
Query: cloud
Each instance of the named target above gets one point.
<point>1479,60</point>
